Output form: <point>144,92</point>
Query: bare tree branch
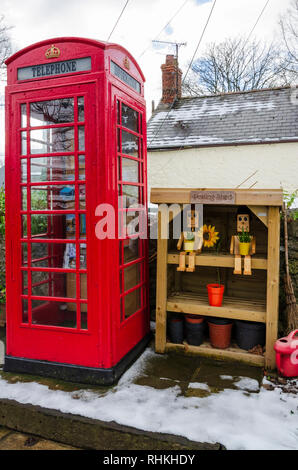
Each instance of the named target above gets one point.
<point>238,65</point>
<point>5,43</point>
<point>289,28</point>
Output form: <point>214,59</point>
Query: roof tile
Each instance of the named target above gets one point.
<point>243,117</point>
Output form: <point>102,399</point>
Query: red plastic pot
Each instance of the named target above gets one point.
<point>215,294</point>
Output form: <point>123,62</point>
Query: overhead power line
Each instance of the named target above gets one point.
<point>118,20</point>
<point>190,64</point>
<point>168,23</point>
<point>258,19</point>
<point>199,43</point>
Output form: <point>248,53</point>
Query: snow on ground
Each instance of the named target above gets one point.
<point>235,418</point>
<point>200,386</point>
<point>251,385</point>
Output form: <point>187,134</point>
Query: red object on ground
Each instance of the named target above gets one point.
<point>287,355</point>
<point>215,294</point>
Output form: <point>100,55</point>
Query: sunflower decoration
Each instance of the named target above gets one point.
<point>209,236</point>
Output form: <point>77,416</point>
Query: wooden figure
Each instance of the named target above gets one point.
<point>192,241</point>
<point>243,225</point>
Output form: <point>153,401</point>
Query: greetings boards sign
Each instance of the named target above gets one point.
<point>212,197</point>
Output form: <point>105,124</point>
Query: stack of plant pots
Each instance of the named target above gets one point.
<point>191,327</point>
<point>194,329</point>
<point>176,329</point>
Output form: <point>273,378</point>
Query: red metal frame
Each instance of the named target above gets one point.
<point>109,335</point>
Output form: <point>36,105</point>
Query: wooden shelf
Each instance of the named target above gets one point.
<point>219,260</point>
<point>232,307</point>
<point>233,353</point>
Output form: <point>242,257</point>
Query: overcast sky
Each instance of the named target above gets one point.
<point>142,21</point>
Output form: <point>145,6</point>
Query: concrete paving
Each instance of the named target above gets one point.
<point>10,440</point>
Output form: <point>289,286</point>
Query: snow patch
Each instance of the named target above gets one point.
<point>245,383</point>
<point>192,111</point>
<point>199,385</point>
<point>263,420</point>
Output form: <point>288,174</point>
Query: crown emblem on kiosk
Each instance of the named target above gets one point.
<point>52,52</point>
<point>126,63</point>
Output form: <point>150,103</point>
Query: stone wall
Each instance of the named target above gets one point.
<point>225,167</point>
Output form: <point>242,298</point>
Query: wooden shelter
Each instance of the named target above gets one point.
<point>253,298</point>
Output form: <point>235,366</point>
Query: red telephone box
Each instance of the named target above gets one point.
<point>77,301</point>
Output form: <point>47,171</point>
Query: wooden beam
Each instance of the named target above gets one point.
<point>232,353</point>
<point>261,212</point>
<point>225,261</point>
<point>236,309</point>
<point>247,197</point>
<point>161,284</point>
<point>272,284</point>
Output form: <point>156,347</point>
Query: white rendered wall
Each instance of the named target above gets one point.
<point>225,167</point>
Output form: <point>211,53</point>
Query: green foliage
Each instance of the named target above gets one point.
<point>289,198</point>
<point>39,199</point>
<point>2,212</point>
<point>2,289</point>
<point>244,237</point>
<point>190,236</point>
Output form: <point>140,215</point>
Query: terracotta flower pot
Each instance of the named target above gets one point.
<point>244,248</point>
<point>215,294</point>
<point>220,333</point>
<point>194,318</point>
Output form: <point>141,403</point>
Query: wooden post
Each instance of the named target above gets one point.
<point>272,284</point>
<point>161,283</point>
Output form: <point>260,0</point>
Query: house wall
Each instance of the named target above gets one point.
<point>226,167</point>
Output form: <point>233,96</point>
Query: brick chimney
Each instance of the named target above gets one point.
<point>171,80</point>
